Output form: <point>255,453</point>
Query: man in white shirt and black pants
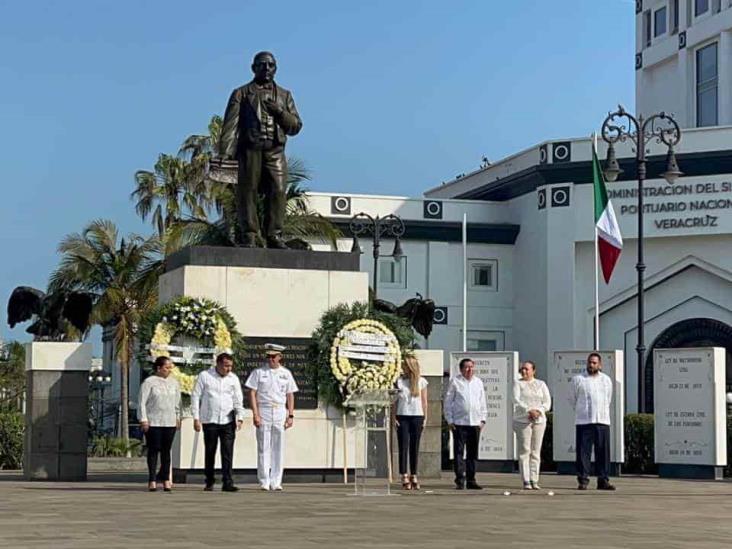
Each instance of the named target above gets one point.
<point>591,394</point>
<point>465,413</point>
<point>217,405</point>
<point>272,391</point>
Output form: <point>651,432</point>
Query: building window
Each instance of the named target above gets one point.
<point>393,273</point>
<point>659,22</point>
<point>647,28</point>
<point>674,16</point>
<point>485,341</point>
<point>483,274</point>
<point>706,86</point>
<point>700,7</point>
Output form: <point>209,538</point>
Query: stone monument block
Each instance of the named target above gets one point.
<point>564,367</point>
<point>689,404</point>
<point>498,371</point>
<point>275,296</point>
<point>56,417</point>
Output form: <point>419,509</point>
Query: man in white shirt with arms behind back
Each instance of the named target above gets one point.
<point>591,394</point>
<point>465,413</point>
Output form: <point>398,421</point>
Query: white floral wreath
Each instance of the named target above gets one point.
<point>365,355</point>
<point>184,318</point>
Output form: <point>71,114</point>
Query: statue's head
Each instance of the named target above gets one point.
<point>264,67</point>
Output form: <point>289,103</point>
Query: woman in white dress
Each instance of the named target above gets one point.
<point>411,409</point>
<point>531,402</point>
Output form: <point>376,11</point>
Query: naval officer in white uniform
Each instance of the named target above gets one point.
<point>272,400</point>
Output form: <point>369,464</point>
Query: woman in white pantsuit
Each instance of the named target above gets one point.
<point>531,402</point>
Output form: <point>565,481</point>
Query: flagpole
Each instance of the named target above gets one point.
<point>597,274</point>
<point>465,282</point>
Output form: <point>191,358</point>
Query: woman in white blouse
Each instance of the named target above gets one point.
<point>531,402</point>
<point>411,409</point>
<point>159,413</point>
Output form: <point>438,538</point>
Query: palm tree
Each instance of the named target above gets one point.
<point>118,273</point>
<point>173,189</point>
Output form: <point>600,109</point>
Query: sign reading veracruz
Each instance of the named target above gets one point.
<point>497,371</point>
<point>690,203</point>
<point>688,393</point>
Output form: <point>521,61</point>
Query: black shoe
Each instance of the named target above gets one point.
<point>229,488</point>
<point>605,486</point>
<point>208,488</point>
<point>459,485</point>
<point>276,243</point>
<point>473,486</point>
<point>581,486</point>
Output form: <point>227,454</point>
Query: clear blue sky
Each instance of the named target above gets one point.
<point>395,96</point>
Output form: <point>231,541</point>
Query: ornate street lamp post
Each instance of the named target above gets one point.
<point>98,380</point>
<point>389,226</point>
<point>623,126</point>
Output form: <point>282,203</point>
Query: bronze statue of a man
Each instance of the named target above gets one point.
<point>259,117</point>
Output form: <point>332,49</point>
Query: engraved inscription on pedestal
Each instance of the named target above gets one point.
<point>689,406</point>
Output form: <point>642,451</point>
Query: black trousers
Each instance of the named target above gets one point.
<point>261,171</point>
<point>212,433</point>
<point>465,439</point>
<point>409,432</point>
<point>587,436</point>
<point>159,441</point>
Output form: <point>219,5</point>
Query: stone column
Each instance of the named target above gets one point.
<point>56,418</point>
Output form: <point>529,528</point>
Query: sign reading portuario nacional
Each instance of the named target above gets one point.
<point>565,366</point>
<point>688,391</point>
<point>497,371</point>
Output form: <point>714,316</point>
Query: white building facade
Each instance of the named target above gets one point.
<point>683,60</point>
<point>530,268</point>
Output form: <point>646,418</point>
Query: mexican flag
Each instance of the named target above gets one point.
<point>609,241</point>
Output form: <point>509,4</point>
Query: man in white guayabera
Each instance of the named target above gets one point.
<point>465,413</point>
<point>217,405</point>
<point>591,394</point>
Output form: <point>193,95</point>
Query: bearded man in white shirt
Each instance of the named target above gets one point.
<point>465,413</point>
<point>217,406</point>
<point>591,394</point>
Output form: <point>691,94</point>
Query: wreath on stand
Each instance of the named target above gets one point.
<point>356,349</point>
<point>192,332</point>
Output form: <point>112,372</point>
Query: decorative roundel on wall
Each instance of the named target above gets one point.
<point>432,209</point>
<point>440,315</point>
<point>562,152</point>
<point>560,197</point>
<point>340,205</point>
<point>541,198</point>
<point>682,40</point>
<point>639,60</point>
<point>638,6</point>
<point>543,155</point>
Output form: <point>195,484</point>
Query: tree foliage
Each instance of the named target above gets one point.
<point>121,275</point>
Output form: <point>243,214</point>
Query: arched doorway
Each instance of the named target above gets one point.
<point>692,332</point>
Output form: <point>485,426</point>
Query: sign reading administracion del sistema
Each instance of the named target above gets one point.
<point>690,203</point>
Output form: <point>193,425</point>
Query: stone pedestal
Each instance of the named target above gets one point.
<point>690,428</point>
<point>56,419</point>
<point>273,295</point>
<point>565,366</point>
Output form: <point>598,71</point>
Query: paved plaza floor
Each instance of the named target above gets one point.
<point>116,511</point>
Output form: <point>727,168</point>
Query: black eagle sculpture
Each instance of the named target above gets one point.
<point>50,310</point>
<point>418,311</point>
